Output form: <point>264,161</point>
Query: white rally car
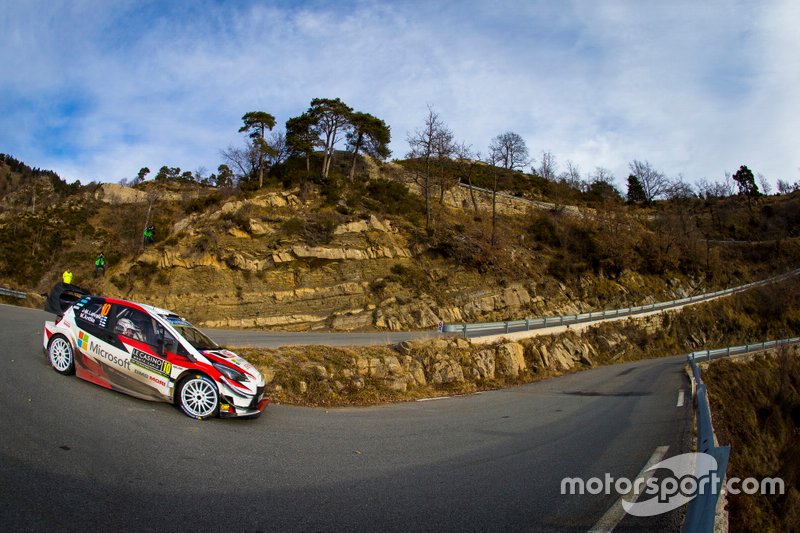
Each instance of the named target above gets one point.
<point>149,353</point>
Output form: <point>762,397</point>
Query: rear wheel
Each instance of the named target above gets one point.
<point>198,397</point>
<point>61,355</point>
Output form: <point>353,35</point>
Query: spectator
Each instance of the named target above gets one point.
<point>149,231</point>
<point>100,264</point>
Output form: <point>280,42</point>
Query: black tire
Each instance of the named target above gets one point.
<point>61,355</point>
<point>198,397</point>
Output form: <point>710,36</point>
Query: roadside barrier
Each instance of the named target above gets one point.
<point>701,514</point>
<point>12,293</point>
<point>480,329</point>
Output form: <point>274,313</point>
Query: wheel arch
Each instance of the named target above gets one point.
<point>72,346</point>
<point>195,374</point>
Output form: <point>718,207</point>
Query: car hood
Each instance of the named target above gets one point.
<point>232,358</point>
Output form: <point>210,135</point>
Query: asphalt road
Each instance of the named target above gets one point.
<point>75,456</point>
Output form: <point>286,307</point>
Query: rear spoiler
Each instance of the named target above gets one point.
<point>62,296</point>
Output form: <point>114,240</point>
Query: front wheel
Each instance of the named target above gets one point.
<point>198,397</point>
<point>61,355</point>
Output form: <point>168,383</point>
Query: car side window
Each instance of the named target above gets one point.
<point>134,324</point>
<point>175,346</point>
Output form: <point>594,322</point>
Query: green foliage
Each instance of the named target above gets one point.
<point>411,277</point>
<point>330,188</point>
<point>314,230</point>
<point>294,226</point>
<point>203,203</point>
<point>394,198</point>
<point>746,182</point>
<point>636,192</point>
<point>543,230</point>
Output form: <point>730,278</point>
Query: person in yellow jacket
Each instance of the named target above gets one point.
<point>67,276</point>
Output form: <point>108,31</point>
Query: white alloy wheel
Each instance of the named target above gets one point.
<point>61,355</point>
<point>198,397</point>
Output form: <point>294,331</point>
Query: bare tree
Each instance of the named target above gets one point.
<point>445,149</point>
<point>716,189</point>
<point>466,161</point>
<point>242,161</point>
<point>426,145</point>
<point>784,187</point>
<point>548,166</point>
<point>679,190</point>
<point>602,175</point>
<point>572,176</point>
<point>280,149</point>
<point>509,151</point>
<point>766,186</point>
<point>654,183</point>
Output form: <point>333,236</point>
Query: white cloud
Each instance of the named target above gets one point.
<point>695,88</point>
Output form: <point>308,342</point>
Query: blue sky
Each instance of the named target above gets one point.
<point>95,90</point>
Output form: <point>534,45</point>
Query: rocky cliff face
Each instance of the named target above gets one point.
<point>324,375</point>
<point>288,260</point>
<point>237,268</point>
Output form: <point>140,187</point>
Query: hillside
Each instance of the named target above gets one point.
<point>309,253</point>
<point>756,405</point>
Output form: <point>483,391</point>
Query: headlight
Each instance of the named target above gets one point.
<point>230,373</point>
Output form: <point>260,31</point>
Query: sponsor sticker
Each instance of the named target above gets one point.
<point>108,356</point>
<point>93,317</point>
<point>157,381</point>
<point>151,362</point>
<point>83,339</point>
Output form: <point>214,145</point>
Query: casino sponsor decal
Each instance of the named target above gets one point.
<point>151,362</point>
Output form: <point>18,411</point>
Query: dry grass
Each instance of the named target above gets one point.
<point>756,406</point>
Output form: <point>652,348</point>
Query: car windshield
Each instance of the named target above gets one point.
<point>195,337</point>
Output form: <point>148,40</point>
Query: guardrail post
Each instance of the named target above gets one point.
<point>465,330</point>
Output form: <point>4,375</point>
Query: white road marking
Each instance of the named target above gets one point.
<point>432,399</point>
<point>681,394</point>
<point>616,513</point>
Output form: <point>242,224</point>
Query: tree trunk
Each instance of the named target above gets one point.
<point>494,210</point>
<point>353,166</point>
<point>427,191</point>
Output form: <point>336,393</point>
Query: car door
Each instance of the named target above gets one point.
<point>140,334</point>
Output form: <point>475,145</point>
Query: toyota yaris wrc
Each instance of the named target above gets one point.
<point>151,354</point>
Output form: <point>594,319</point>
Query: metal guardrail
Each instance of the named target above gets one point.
<point>545,205</point>
<point>486,328</point>
<point>12,293</point>
<point>719,353</point>
<point>701,514</point>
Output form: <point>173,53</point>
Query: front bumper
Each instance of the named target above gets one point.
<point>234,405</point>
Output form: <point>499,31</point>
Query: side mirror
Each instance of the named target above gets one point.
<point>166,345</point>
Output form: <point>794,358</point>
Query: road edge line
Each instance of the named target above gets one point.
<point>616,512</point>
